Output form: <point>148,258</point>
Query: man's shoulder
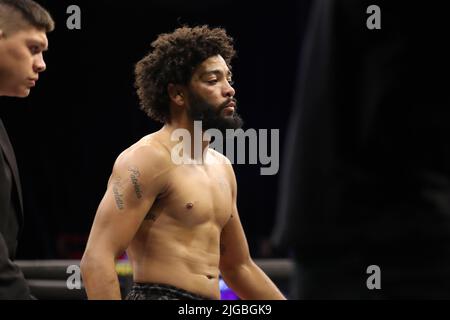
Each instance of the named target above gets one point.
<point>218,157</point>
<point>149,153</point>
<point>225,163</point>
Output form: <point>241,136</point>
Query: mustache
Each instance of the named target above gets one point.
<point>224,105</point>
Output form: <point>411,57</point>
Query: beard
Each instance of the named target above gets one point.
<point>212,117</point>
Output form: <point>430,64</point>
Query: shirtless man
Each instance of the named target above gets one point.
<point>178,222</point>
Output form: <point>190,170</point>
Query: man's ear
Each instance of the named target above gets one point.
<point>176,94</point>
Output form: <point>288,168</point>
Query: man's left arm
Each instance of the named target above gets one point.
<point>237,268</point>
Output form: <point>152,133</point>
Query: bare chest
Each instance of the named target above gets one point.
<point>196,195</point>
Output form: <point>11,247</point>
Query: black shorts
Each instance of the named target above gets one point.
<point>154,291</point>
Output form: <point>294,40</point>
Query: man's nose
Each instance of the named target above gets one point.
<point>229,90</point>
<point>39,64</point>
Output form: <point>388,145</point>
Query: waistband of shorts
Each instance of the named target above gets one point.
<point>141,286</point>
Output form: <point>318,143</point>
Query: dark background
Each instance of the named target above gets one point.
<point>84,110</point>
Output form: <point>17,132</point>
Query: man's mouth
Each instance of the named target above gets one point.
<point>232,104</point>
<point>229,110</point>
<point>31,82</point>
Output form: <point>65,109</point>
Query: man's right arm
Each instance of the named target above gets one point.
<point>135,182</point>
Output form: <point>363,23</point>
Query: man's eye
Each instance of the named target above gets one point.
<point>34,49</point>
<point>212,81</point>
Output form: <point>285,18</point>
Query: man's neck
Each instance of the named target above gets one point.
<point>197,145</point>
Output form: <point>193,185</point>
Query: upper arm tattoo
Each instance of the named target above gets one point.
<point>134,175</point>
<point>118,194</point>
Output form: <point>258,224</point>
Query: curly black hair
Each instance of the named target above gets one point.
<point>173,60</point>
